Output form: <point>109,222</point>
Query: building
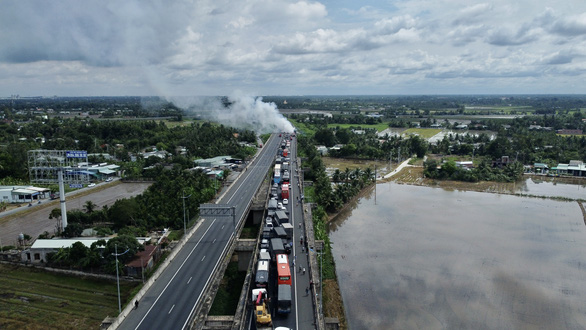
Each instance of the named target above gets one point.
<point>41,248</point>
<point>143,260</point>
<point>569,131</point>
<point>574,168</point>
<point>23,194</point>
<point>215,162</point>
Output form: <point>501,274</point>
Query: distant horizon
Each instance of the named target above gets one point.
<point>293,95</point>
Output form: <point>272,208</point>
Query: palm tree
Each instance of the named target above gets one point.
<point>89,207</point>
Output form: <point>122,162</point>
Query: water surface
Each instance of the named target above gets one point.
<point>427,258</point>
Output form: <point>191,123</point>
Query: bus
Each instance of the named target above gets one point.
<point>283,270</point>
<point>285,191</point>
<point>262,274</point>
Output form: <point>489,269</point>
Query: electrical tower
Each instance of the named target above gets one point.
<point>59,166</point>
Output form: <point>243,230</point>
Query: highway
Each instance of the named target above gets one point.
<point>171,300</point>
<point>302,311</point>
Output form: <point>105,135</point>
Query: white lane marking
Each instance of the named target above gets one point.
<point>171,309</point>
<point>207,282</point>
<point>166,286</point>
<point>189,280</point>
<point>222,227</point>
<point>203,258</point>
<point>214,241</point>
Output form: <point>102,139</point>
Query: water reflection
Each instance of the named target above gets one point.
<point>435,259</point>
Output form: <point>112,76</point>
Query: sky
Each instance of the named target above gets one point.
<point>279,47</point>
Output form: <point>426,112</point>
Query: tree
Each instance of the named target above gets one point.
<point>326,137</point>
<point>56,214</point>
<point>89,207</point>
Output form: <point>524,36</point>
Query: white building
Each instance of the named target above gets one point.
<point>23,194</point>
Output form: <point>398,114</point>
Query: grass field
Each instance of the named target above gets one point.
<point>379,127</point>
<point>299,126</point>
<point>425,133</point>
<point>34,299</point>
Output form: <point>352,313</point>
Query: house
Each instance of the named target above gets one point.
<point>569,131</point>
<point>574,168</point>
<point>143,260</point>
<point>465,164</point>
<point>540,168</point>
<point>502,162</point>
<point>323,150</point>
<point>41,248</point>
<point>23,194</point>
<point>215,162</point>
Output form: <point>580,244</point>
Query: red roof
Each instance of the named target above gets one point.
<point>141,259</point>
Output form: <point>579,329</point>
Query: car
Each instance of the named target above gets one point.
<point>280,206</point>
<point>285,201</point>
<point>91,185</point>
<point>109,179</point>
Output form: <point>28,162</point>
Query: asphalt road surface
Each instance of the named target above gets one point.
<point>171,300</point>
<point>37,221</point>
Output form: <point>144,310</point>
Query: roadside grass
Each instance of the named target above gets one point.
<point>302,127</point>
<point>35,299</point>
<point>379,127</point>
<point>425,133</point>
<point>226,300</point>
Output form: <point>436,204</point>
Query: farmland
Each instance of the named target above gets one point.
<point>34,299</point>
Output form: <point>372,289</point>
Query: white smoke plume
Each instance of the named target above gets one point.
<point>244,111</point>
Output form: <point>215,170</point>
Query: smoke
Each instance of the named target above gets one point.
<point>241,111</point>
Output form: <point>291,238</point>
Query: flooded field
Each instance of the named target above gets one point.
<point>428,258</point>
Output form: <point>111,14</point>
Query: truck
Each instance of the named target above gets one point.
<point>284,299</point>
<point>280,233</point>
<point>277,247</point>
<point>285,191</point>
<point>288,229</point>
<point>262,315</point>
<point>281,217</point>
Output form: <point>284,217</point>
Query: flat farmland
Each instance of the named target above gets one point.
<point>34,299</point>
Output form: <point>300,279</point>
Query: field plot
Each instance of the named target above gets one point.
<point>33,299</point>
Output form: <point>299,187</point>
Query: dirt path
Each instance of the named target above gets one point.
<point>35,221</point>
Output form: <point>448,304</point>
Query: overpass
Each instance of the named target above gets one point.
<point>171,297</point>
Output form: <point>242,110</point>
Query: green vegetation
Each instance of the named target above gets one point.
<point>379,127</point>
<point>483,172</point>
<point>226,300</point>
<point>33,299</point>
<point>348,184</point>
<point>302,127</point>
<point>425,133</point>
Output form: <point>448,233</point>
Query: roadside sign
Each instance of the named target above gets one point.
<point>75,185</point>
<point>76,154</point>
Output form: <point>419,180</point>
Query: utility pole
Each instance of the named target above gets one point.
<point>399,156</point>
<point>184,225</point>
<point>118,277</point>
<point>375,177</point>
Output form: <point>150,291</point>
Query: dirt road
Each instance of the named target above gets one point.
<point>35,222</point>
